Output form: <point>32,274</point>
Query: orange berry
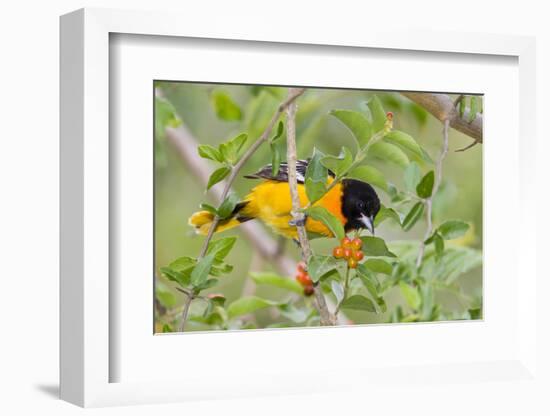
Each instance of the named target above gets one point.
<point>356,244</point>
<point>308,290</point>
<point>303,278</point>
<point>338,252</point>
<point>347,253</point>
<point>352,263</point>
<point>346,242</point>
<point>358,255</point>
<point>302,266</point>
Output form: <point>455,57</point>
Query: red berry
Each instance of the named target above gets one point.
<point>346,242</point>
<point>308,290</point>
<point>338,252</point>
<point>389,115</point>
<point>356,244</point>
<point>352,263</point>
<point>358,255</point>
<point>303,278</point>
<point>347,253</point>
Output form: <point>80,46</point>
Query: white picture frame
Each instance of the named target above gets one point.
<point>87,357</point>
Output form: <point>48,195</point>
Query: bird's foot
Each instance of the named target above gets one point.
<point>298,222</point>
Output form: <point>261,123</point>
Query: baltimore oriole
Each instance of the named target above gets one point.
<point>353,202</point>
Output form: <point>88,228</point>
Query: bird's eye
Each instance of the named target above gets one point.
<point>361,205</point>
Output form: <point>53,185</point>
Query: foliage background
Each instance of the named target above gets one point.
<point>205,111</point>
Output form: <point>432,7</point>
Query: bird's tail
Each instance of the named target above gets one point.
<point>202,220</point>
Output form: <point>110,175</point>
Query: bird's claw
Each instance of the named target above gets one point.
<point>298,222</point>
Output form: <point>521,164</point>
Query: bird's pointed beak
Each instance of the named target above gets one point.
<point>368,222</point>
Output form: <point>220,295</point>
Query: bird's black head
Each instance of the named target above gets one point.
<point>360,204</point>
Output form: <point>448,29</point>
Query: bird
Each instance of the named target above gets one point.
<point>353,202</point>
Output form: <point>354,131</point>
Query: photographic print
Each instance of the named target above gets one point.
<point>294,207</point>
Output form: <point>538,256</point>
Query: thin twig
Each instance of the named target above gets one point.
<point>429,201</point>
<point>185,312</point>
<point>298,217</point>
<point>251,150</point>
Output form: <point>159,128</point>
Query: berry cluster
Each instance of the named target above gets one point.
<point>303,278</point>
<point>349,250</point>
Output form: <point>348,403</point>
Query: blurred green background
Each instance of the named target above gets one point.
<point>178,192</point>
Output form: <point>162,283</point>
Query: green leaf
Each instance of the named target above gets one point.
<point>357,123</point>
<point>272,279</point>
<point>225,107</point>
<point>319,266</point>
<point>375,247</point>
<point>425,187</point>
<point>207,207</point>
<point>378,266</point>
<point>183,264</point>
<point>249,304</point>
<point>413,216</point>
<point>209,152</point>
<point>175,276</point>
<point>386,213</point>
<point>370,175</point>
<point>276,151</point>
<point>316,177</point>
<point>221,248</point>
<point>412,176</point>
<point>219,270</point>
<point>473,108</point>
<point>377,112</point>
<point>202,270</point>
<point>319,213</point>
<point>452,229</point>
<point>439,244</point>
<point>389,153</point>
<point>230,150</point>
<point>275,159</point>
<point>371,284</point>
<point>411,295</point>
<point>405,141</point>
<point>228,206</point>
<point>358,303</point>
<point>217,176</point>
<point>279,133</point>
<point>207,284</point>
<point>338,164</point>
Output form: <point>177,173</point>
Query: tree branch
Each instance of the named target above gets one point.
<point>298,217</point>
<point>443,108</point>
<point>437,182</point>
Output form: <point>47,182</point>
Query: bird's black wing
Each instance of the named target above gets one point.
<point>282,176</point>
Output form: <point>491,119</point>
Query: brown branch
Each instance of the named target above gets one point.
<point>443,108</point>
<point>298,217</point>
<point>429,201</point>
